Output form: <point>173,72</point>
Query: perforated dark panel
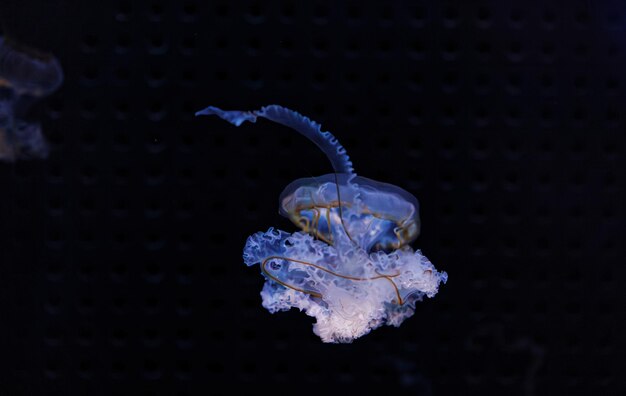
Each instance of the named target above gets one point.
<point>120,255</point>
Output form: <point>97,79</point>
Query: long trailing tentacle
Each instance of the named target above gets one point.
<point>312,130</point>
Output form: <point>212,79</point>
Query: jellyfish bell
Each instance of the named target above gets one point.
<point>26,75</point>
<point>28,71</point>
<point>376,215</point>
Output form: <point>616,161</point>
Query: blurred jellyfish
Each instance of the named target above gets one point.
<point>26,75</point>
<point>351,266</point>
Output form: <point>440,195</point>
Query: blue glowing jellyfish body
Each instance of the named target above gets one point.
<point>351,266</point>
<point>26,75</point>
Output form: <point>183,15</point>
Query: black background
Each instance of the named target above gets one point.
<point>120,255</point>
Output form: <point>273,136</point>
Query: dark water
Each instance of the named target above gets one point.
<point>120,252</point>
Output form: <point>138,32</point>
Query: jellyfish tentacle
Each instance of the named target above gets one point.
<point>264,269</point>
<point>326,141</point>
<point>343,224</point>
<point>235,117</point>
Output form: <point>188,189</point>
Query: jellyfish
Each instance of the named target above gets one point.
<point>350,265</point>
<point>26,76</point>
